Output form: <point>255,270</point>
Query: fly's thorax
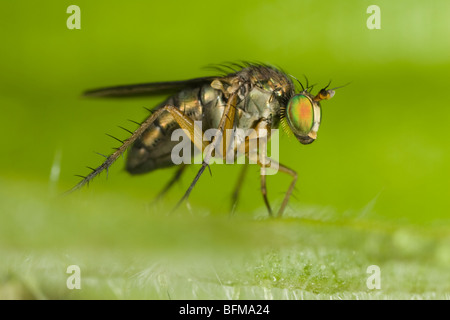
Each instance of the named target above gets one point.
<point>253,105</point>
<point>261,92</point>
<point>213,105</point>
<point>270,91</point>
<point>257,105</point>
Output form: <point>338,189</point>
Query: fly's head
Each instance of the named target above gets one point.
<point>303,114</point>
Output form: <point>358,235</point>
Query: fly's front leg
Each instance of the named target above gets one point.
<point>281,168</point>
<point>294,176</point>
<point>265,162</point>
<point>263,166</point>
<point>257,154</point>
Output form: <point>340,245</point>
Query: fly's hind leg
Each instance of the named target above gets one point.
<point>226,122</point>
<point>237,188</point>
<point>183,121</point>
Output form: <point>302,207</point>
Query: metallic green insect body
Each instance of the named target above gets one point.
<point>252,97</point>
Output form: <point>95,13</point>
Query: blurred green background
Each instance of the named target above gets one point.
<point>380,160</point>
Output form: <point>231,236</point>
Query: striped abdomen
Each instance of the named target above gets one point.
<point>153,149</point>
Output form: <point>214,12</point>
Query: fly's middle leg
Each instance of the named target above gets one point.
<point>237,188</point>
<point>181,168</point>
<point>264,194</point>
<point>263,162</point>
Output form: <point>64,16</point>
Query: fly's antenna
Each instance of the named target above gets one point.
<point>329,82</point>
<point>325,93</point>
